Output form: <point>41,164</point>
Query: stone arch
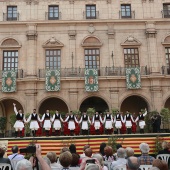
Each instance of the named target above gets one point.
<point>95,101</point>
<point>166,100</point>
<point>10,43</point>
<point>166,40</point>
<point>51,105</point>
<point>91,41</point>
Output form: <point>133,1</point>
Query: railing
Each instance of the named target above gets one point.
<point>8,17</point>
<point>20,73</point>
<point>127,14</point>
<point>165,13</point>
<point>96,16</point>
<point>165,70</point>
<point>103,71</point>
<point>53,15</point>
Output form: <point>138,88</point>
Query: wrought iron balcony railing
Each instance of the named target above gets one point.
<point>165,70</point>
<point>20,73</point>
<point>53,15</point>
<point>127,14</point>
<point>11,16</point>
<point>165,13</point>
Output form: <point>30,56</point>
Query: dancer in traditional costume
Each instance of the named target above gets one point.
<point>108,120</point>
<point>20,119</point>
<point>128,119</point>
<point>96,121</point>
<point>134,124</point>
<point>118,119</point>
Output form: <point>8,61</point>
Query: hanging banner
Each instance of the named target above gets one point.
<point>52,82</point>
<point>133,78</point>
<point>91,80</point>
<point>9,81</point>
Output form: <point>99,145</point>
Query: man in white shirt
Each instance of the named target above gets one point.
<point>121,153</point>
<point>15,155</point>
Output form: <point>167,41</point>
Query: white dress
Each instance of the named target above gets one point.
<point>47,121</point>
<point>57,122</point>
<point>85,122</point>
<point>71,124</point>
<point>34,123</point>
<point>128,122</point>
<point>19,123</point>
<point>118,121</point>
<point>108,119</point>
<point>97,122</point>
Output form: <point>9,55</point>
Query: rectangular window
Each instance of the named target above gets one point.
<point>131,57</point>
<point>53,58</point>
<point>166,10</point>
<point>10,60</point>
<point>53,12</point>
<point>167,54</point>
<point>90,11</point>
<point>92,58</point>
<point>12,13</point>
<point>126,11</point>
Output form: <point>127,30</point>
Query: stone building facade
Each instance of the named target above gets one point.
<point>112,34</point>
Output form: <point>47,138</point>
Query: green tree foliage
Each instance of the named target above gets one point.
<point>3,121</point>
<point>90,112</point>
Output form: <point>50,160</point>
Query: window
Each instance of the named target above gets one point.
<point>131,56</point>
<point>53,12</point>
<point>167,54</point>
<point>92,58</point>
<point>12,13</point>
<point>126,11</point>
<point>90,11</point>
<point>10,60</point>
<point>166,10</point>
<point>53,59</point>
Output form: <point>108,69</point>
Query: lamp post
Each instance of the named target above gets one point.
<point>72,59</point>
<point>112,55</point>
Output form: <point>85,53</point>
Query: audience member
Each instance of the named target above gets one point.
<point>2,152</point>
<point>72,148</point>
<point>64,149</point>
<point>23,164</point>
<point>65,159</point>
<point>132,163</point>
<point>121,153</point>
<point>75,160</point>
<point>102,146</point>
<point>154,168</point>
<point>161,164</point>
<point>53,159</point>
<point>85,147</point>
<point>117,147</point>
<point>92,167</point>
<point>165,148</point>
<point>129,152</point>
<point>108,154</point>
<point>145,159</point>
<point>15,155</point>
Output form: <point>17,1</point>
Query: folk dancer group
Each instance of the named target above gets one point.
<point>85,121</point>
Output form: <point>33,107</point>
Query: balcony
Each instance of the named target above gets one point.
<point>93,15</point>
<point>165,13</point>
<point>103,71</point>
<point>53,16</point>
<point>20,74</point>
<point>126,14</point>
<point>165,70</point>
<point>11,17</point>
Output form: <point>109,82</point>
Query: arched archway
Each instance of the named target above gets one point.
<point>53,103</point>
<point>167,103</point>
<point>134,104</point>
<point>94,102</point>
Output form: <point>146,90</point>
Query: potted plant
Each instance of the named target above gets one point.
<point>3,121</point>
<point>12,121</point>
<point>165,116</point>
<point>27,126</point>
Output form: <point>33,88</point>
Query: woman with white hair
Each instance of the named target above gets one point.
<point>24,165</point>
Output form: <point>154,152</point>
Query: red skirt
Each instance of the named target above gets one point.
<point>134,126</point>
<point>123,129</point>
<point>92,130</point>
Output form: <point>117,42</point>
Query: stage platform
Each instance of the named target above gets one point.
<point>55,144</point>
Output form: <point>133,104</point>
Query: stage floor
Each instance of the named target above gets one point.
<point>55,143</point>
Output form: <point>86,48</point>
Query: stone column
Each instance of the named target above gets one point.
<point>31,69</point>
<point>73,97</point>
<point>152,48</point>
<point>114,98</point>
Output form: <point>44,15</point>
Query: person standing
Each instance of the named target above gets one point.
<point>134,125</point>
<point>71,122</point>
<point>156,122</point>
<point>128,120</point>
<point>108,120</point>
<point>118,120</point>
<point>96,121</point>
<point>57,119</point>
<point>20,119</point>
<point>34,118</point>
<point>85,120</point>
<point>47,122</point>
<point>141,119</point>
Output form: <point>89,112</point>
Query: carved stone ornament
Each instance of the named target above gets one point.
<point>53,43</point>
<point>151,33</point>
<point>72,34</point>
<point>111,34</point>
<point>131,41</point>
<point>31,35</point>
<point>91,29</point>
<point>29,2</point>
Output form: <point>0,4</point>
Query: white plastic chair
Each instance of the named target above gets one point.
<point>120,167</point>
<point>164,157</point>
<point>145,167</point>
<point>3,166</point>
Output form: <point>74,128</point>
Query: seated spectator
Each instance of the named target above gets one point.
<point>92,167</point>
<point>75,161</point>
<point>121,153</point>
<point>132,163</point>
<point>145,159</point>
<point>2,152</point>
<point>117,147</point>
<point>154,168</point>
<point>65,159</point>
<point>15,155</point>
<point>161,164</point>
<point>72,148</point>
<point>108,154</point>
<point>102,146</point>
<point>24,164</point>
<point>100,159</point>
<point>165,148</point>
<point>129,152</point>
<point>85,147</point>
<point>64,149</point>
<point>53,159</point>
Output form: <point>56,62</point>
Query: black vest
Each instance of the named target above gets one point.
<point>85,118</point>
<point>34,117</point>
<point>118,117</point>
<point>57,116</point>
<point>141,117</point>
<point>128,117</point>
<point>47,116</point>
<point>71,118</point>
<point>108,117</point>
<point>96,117</point>
<point>19,117</point>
